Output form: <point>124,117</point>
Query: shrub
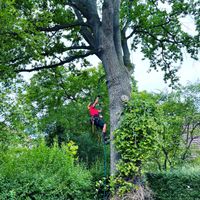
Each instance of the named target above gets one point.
<point>180,184</point>
<point>43,173</point>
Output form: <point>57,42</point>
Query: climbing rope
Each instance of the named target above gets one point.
<point>99,84</point>
<point>105,171</point>
<point>105,166</point>
<point>104,145</point>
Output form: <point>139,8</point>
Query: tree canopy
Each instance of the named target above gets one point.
<point>46,34</point>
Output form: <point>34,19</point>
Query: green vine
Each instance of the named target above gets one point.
<point>135,140</point>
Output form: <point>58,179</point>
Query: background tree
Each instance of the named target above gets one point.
<point>47,34</point>
<point>16,120</point>
<point>181,126</point>
<point>171,139</point>
<point>191,128</point>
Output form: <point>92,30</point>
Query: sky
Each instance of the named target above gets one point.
<point>153,81</point>
<point>189,71</point>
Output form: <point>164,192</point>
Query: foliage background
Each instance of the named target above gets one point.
<point>43,173</point>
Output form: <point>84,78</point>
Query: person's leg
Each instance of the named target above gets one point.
<point>102,125</point>
<point>105,138</point>
<point>104,128</point>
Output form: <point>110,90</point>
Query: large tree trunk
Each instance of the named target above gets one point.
<point>118,86</point>
<point>118,77</point>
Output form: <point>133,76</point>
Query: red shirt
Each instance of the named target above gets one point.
<point>93,111</point>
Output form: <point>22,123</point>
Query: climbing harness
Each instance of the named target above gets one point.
<point>96,122</point>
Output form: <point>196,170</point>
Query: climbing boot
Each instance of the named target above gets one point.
<point>105,139</point>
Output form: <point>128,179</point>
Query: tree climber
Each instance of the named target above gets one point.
<point>97,118</point>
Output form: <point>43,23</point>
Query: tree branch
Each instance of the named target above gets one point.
<point>183,157</point>
<point>88,9</point>
<point>61,26</point>
<point>62,85</point>
<point>75,47</point>
<point>116,31</point>
<point>70,59</point>
<point>84,31</point>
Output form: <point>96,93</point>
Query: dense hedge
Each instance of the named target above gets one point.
<point>181,184</point>
<point>43,173</point>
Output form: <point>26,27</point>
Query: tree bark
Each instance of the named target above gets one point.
<point>118,80</point>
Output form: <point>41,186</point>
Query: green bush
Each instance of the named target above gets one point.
<point>43,173</point>
<point>180,184</point>
<point>136,140</point>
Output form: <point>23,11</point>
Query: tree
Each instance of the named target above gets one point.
<point>171,139</point>
<point>190,95</point>
<point>181,121</point>
<point>47,34</point>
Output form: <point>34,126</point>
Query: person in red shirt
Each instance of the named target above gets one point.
<point>97,118</point>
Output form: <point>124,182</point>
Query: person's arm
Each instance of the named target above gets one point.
<point>95,102</point>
